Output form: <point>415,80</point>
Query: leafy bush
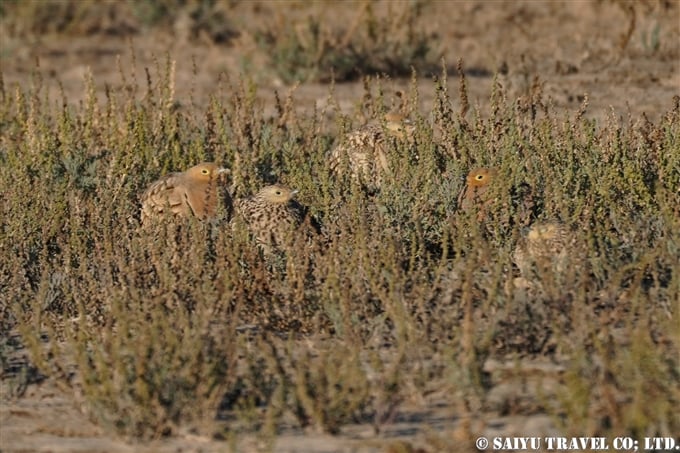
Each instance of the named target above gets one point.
<point>185,325</point>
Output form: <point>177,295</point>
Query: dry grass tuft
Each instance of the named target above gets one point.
<point>186,326</point>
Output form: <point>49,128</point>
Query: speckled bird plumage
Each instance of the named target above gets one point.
<point>193,192</point>
<point>364,152</point>
<point>546,244</point>
<point>271,215</point>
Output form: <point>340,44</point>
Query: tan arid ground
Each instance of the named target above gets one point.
<point>575,47</point>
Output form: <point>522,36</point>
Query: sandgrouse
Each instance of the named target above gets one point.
<point>272,215</point>
<point>190,193</point>
<point>477,183</point>
<point>480,193</point>
<point>364,152</point>
<point>545,245</point>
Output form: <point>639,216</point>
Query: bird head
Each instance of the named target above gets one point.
<point>543,231</point>
<point>476,185</point>
<point>277,194</point>
<point>206,171</point>
<point>399,126</point>
<point>480,177</point>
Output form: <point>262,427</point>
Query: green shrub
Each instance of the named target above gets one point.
<point>185,325</point>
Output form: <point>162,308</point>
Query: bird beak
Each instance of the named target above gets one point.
<point>294,192</point>
<point>223,170</point>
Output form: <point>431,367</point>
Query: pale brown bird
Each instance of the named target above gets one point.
<point>271,215</point>
<point>547,246</point>
<point>190,193</point>
<point>364,152</point>
<point>477,183</point>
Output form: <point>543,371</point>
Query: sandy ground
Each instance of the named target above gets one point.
<point>576,47</point>
<point>46,417</point>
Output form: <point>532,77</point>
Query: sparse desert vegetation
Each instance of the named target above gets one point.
<point>403,304</point>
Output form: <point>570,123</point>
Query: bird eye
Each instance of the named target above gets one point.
<point>278,192</point>
<point>204,171</point>
<point>479,177</point>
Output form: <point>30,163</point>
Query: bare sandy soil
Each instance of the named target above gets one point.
<point>45,417</point>
<point>575,47</point>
